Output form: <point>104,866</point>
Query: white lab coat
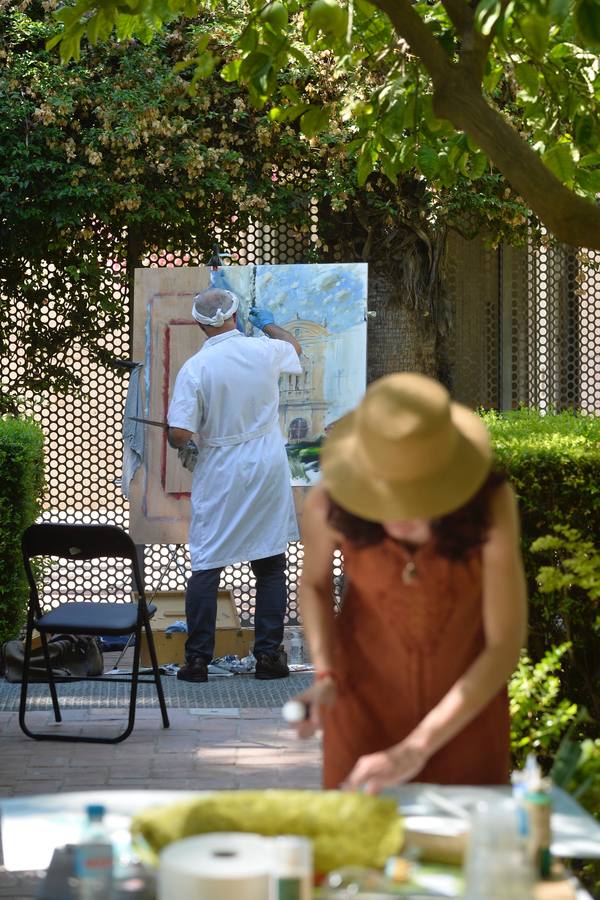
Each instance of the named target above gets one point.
<point>242,504</point>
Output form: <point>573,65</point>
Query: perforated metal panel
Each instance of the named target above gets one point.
<point>526,329</point>
<point>526,326</point>
<point>557,331</point>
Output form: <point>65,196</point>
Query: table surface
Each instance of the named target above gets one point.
<point>28,842</point>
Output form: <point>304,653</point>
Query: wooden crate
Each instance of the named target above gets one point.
<point>230,638</point>
<point>170,648</point>
<point>170,607</point>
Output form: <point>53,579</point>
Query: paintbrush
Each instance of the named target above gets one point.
<point>148,421</point>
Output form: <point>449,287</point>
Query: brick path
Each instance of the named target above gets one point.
<point>203,749</point>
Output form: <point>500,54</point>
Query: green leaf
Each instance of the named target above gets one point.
<point>125,27</point>
<point>54,40</point>
<point>68,15</point>
<point>487,14</point>
<point>527,76</point>
<point>287,113</point>
<point>299,56</point>
<point>248,40</point>
<point>536,31</point>
<point>290,93</point>
<point>559,10</point>
<point>561,162</point>
<point>428,162</point>
<point>329,17</point>
<point>584,128</point>
<point>392,123</point>
<point>472,165</point>
<point>203,42</point>
<point>315,119</point>
<point>391,166</point>
<point>588,181</point>
<point>205,66</point>
<point>587,20</point>
<point>93,27</point>
<point>366,162</point>
<point>478,165</point>
<point>231,70</point>
<point>274,14</point>
<point>590,159</point>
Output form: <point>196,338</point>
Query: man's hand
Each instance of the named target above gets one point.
<point>188,456</point>
<point>260,318</point>
<point>394,766</point>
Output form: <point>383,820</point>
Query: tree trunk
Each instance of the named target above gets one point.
<point>409,328</point>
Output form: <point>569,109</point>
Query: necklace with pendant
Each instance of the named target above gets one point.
<point>409,573</point>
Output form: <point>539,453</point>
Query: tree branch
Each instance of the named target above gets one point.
<point>421,40</point>
<point>460,14</point>
<point>571,219</point>
<point>457,97</point>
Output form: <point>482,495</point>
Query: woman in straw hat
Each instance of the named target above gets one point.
<point>410,677</point>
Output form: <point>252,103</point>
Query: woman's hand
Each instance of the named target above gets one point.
<point>320,695</point>
<point>396,765</point>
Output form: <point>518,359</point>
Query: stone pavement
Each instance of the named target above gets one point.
<point>203,749</point>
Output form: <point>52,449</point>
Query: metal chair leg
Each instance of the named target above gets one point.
<point>25,681</point>
<point>157,681</point>
<point>51,682</point>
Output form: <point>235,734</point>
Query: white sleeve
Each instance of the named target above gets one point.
<point>286,358</point>
<point>185,408</point>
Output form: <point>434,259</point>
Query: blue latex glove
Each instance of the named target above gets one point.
<point>260,318</point>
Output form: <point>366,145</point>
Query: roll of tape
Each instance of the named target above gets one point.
<point>220,866</point>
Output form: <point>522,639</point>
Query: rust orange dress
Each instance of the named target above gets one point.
<point>410,625</point>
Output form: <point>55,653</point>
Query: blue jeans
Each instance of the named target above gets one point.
<point>271,602</point>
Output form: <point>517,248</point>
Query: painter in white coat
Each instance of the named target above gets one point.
<point>242,504</point>
<point>242,509</point>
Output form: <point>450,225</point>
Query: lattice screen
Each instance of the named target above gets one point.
<point>526,330</point>
<point>526,326</point>
<point>556,331</point>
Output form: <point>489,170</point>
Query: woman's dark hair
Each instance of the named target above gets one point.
<point>456,535</point>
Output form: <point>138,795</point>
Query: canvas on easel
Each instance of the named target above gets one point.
<point>324,306</point>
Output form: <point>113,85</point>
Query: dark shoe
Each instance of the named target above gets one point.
<point>272,665</point>
<point>195,669</point>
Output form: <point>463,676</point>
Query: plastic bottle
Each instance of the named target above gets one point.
<point>496,864</point>
<point>292,869</point>
<point>94,857</point>
<point>296,649</point>
<point>539,809</point>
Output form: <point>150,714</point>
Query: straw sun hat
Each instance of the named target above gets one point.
<point>405,452</point>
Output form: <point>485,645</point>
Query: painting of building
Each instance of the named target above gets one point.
<point>325,308</point>
<point>303,408</point>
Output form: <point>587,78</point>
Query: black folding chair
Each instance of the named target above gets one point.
<point>59,614</point>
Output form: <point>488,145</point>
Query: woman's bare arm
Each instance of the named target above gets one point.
<point>316,585</point>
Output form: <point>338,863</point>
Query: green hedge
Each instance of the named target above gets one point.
<point>553,462</point>
<point>21,491</point>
